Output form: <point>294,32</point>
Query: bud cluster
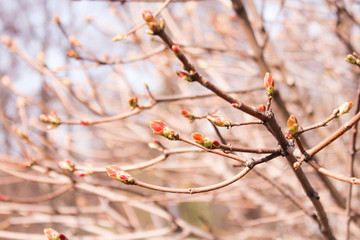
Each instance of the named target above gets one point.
<point>204,141</point>
<point>154,26</point>
<point>51,118</point>
<point>160,128</point>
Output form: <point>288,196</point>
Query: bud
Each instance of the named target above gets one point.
<point>296,165</point>
<point>204,141</point>
<point>154,26</point>
<point>119,37</point>
<point>117,173</point>
<point>344,108</point>
<point>67,165</point>
<point>186,114</point>
<point>52,119</point>
<point>292,125</point>
<point>82,122</point>
<point>176,49</point>
<point>219,121</point>
<point>72,53</point>
<point>133,102</point>
<point>157,127</point>
<point>269,84</point>
<point>288,136</point>
<point>88,19</point>
<point>29,164</point>
<point>160,128</point>
<point>74,41</point>
<point>20,134</point>
<point>351,59</point>
<point>8,42</point>
<point>83,173</point>
<point>3,198</point>
<point>198,138</point>
<point>147,16</point>
<point>184,76</point>
<point>235,105</point>
<point>51,234</point>
<point>262,108</point>
<point>56,19</point>
<point>162,23</point>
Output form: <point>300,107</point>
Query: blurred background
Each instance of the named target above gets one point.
<point>59,56</point>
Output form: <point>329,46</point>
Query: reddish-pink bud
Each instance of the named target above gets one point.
<point>51,234</point>
<point>184,112</point>
<point>82,122</point>
<point>160,128</point>
<point>215,144</point>
<point>175,48</point>
<point>292,125</point>
<point>269,84</point>
<point>3,198</point>
<point>157,127</point>
<point>83,173</point>
<point>117,173</point>
<point>296,165</point>
<point>219,121</point>
<point>184,76</point>
<point>147,16</point>
<point>235,105</point>
<point>288,136</point>
<point>262,108</point>
<point>198,138</point>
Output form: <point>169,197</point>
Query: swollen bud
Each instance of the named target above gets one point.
<point>269,84</point>
<point>187,114</point>
<point>262,108</point>
<point>51,234</point>
<point>67,165</point>
<point>351,59</point>
<point>343,109</point>
<point>184,76</point>
<point>160,128</point>
<point>133,102</point>
<point>292,125</point>
<point>117,173</point>
<point>204,141</point>
<point>219,121</point>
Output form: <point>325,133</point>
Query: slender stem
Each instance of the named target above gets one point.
<point>194,190</point>
<point>346,127</point>
<point>318,125</point>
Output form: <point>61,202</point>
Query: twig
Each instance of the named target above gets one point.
<point>194,190</point>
